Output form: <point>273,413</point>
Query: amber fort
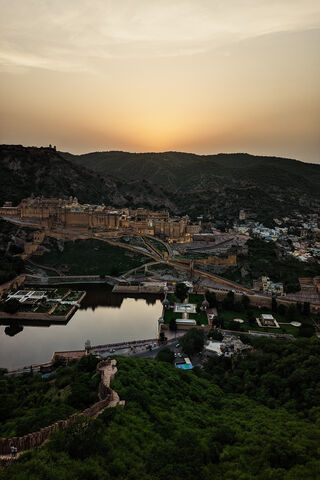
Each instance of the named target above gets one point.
<point>69,215</point>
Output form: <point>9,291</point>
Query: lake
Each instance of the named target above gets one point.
<point>104,317</point>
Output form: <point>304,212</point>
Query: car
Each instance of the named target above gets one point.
<point>177,345</point>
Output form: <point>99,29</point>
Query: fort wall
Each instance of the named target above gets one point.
<point>108,398</point>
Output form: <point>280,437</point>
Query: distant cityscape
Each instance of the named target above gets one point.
<point>298,235</point>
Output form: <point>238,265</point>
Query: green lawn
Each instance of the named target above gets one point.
<point>91,257</point>
<point>195,298</point>
<point>62,309</point>
<point>44,307</point>
<point>201,318</point>
<point>73,296</point>
<point>229,315</point>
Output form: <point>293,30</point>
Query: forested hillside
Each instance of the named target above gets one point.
<point>217,184</point>
<point>214,185</point>
<point>31,171</point>
<point>260,423</point>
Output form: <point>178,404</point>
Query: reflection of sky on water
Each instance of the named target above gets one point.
<point>135,319</point>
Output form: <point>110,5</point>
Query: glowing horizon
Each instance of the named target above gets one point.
<point>201,77</point>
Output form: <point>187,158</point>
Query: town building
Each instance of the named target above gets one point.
<point>267,286</point>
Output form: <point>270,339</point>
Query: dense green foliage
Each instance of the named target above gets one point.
<point>10,266</point>
<point>181,291</point>
<point>229,311</point>
<point>217,184</point>
<point>29,402</point>
<point>11,305</point>
<point>181,426</point>
<point>170,316</point>
<point>90,257</point>
<point>201,317</point>
<point>262,259</point>
<point>275,373</point>
<point>192,342</point>
<point>54,176</point>
<point>31,171</point>
<point>165,355</point>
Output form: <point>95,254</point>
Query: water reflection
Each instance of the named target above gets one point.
<point>103,297</point>
<point>104,317</point>
<point>12,330</point>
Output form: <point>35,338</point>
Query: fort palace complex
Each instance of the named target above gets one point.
<point>69,215</point>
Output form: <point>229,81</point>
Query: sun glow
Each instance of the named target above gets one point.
<point>202,77</point>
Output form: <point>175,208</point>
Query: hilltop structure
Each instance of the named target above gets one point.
<point>61,214</point>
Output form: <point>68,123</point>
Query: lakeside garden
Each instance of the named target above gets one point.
<point>54,301</point>
<point>240,316</point>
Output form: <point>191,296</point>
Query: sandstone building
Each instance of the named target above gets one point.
<point>69,215</point>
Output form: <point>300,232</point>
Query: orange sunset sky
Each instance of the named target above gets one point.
<point>143,75</point>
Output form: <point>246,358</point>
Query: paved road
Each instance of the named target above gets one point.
<point>153,353</point>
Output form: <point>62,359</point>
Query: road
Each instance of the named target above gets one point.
<point>153,353</point>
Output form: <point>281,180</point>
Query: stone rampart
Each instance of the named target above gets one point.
<point>107,397</point>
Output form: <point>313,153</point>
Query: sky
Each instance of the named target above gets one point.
<point>203,76</point>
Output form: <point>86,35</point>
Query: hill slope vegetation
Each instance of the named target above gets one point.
<point>216,184</point>
<point>31,171</point>
<point>181,426</point>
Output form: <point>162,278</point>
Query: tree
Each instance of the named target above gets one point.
<point>274,306</point>
<point>114,271</point>
<point>211,298</point>
<point>11,305</point>
<point>234,326</point>
<point>162,338</point>
<point>173,324</point>
<point>282,309</point>
<point>181,291</point>
<point>251,318</point>
<point>306,309</point>
<point>88,363</point>
<point>82,437</point>
<point>306,330</point>
<point>245,300</point>
<point>192,342</point>
<point>165,355</point>
<point>292,313</point>
<point>215,334</point>
<point>228,302</point>
<point>230,295</point>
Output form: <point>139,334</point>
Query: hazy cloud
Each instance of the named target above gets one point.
<point>71,35</point>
